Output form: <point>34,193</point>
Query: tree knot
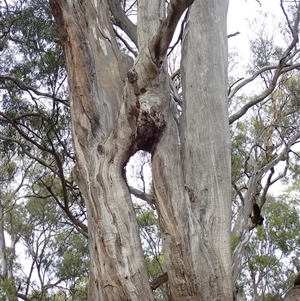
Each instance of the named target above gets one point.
<point>150,125</point>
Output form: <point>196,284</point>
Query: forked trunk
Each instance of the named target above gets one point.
<point>118,108</point>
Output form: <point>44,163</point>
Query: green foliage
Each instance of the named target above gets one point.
<point>153,254</point>
<point>271,252</point>
<point>33,31</point>
<point>234,242</point>
<point>7,290</point>
<point>240,142</point>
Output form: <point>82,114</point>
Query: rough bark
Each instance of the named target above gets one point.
<point>117,109</point>
<point>96,74</point>
<point>293,294</point>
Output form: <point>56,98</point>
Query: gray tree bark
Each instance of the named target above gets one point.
<point>3,259</point>
<point>119,107</point>
<point>293,294</point>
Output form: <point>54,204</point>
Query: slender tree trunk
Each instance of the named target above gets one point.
<point>3,259</point>
<point>118,108</point>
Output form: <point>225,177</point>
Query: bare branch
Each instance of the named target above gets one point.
<point>280,157</point>
<point>250,79</point>
<point>294,29</point>
<point>281,68</point>
<point>126,44</point>
<point>122,21</point>
<point>238,191</point>
<point>26,87</point>
<point>43,163</point>
<point>229,90</point>
<point>143,196</point>
<point>233,34</point>
<point>176,73</point>
<point>22,296</point>
<point>279,71</point>
<point>266,187</point>
<point>294,32</point>
<point>175,92</point>
<point>180,34</point>
<point>81,228</point>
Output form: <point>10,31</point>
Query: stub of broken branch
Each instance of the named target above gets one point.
<point>157,282</point>
<point>233,34</point>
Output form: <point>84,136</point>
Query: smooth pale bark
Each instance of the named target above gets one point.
<point>118,108</point>
<point>192,183</point>
<point>206,144</point>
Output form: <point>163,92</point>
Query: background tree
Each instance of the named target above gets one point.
<point>271,257</point>
<point>265,126</point>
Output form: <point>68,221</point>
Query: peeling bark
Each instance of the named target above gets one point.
<point>118,108</point>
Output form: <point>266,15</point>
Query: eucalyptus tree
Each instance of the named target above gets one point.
<point>271,259</point>
<point>119,107</point>
<point>123,100</point>
<point>265,127</point>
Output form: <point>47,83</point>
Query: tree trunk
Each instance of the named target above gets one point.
<point>192,181</point>
<point>293,294</point>
<point>118,108</point>
<point>3,259</point>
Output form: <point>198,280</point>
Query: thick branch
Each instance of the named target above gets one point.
<point>266,187</point>
<point>250,79</point>
<point>126,44</point>
<point>162,39</point>
<point>251,193</point>
<point>143,196</point>
<point>22,296</point>
<point>122,21</point>
<point>19,142</point>
<point>280,157</point>
<point>293,294</point>
<point>82,228</point>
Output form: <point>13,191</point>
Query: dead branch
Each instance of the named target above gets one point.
<point>26,87</point>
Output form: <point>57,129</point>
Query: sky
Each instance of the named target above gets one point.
<point>240,12</point>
